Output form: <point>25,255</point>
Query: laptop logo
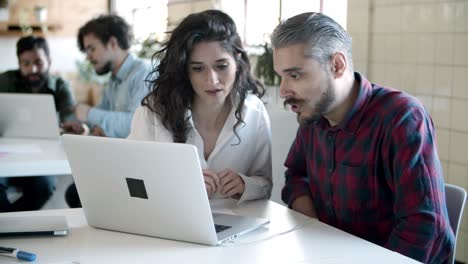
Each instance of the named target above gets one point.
<point>136,187</point>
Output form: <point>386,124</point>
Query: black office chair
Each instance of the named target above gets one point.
<point>455,197</point>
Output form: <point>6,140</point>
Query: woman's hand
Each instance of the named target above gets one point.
<point>230,183</point>
<point>211,181</point>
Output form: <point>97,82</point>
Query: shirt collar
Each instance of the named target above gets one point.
<point>353,118</point>
<point>51,83</point>
<point>235,98</point>
<point>125,69</point>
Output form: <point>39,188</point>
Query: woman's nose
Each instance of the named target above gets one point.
<point>212,77</point>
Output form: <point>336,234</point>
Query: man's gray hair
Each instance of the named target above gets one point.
<point>322,34</point>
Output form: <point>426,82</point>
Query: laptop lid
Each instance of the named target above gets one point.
<point>28,115</point>
<point>147,188</point>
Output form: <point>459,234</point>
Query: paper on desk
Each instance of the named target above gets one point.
<point>65,262</point>
<point>223,206</point>
<point>20,149</point>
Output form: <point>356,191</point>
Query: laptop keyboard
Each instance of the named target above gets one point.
<point>220,228</point>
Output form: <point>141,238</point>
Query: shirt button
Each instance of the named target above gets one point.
<point>330,170</point>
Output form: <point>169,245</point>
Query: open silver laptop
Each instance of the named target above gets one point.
<point>28,115</point>
<point>148,188</point>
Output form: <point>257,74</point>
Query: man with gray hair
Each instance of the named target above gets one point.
<point>365,158</point>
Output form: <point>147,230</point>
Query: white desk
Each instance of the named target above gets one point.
<point>32,157</point>
<point>308,241</point>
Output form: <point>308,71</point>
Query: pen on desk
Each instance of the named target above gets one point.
<point>16,253</point>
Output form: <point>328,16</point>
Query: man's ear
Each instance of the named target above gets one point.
<point>113,42</point>
<point>339,64</point>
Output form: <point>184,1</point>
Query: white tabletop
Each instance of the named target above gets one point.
<point>289,238</point>
<point>32,157</point>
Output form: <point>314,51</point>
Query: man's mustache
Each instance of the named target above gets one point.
<point>292,101</point>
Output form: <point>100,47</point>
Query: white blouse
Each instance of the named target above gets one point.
<point>250,156</point>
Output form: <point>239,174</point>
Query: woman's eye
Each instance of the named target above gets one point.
<point>222,66</point>
<point>197,68</point>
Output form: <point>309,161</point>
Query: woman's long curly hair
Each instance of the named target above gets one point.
<point>172,94</point>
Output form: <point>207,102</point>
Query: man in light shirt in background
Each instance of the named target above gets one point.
<point>106,41</point>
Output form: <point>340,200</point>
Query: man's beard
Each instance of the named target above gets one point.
<point>36,80</point>
<point>105,69</point>
<point>321,108</point>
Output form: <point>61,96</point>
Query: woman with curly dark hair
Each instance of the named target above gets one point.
<point>206,96</point>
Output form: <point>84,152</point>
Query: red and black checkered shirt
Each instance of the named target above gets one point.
<point>376,175</point>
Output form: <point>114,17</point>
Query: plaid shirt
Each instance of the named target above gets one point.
<point>376,175</point>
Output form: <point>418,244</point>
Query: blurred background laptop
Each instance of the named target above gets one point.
<point>28,115</point>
